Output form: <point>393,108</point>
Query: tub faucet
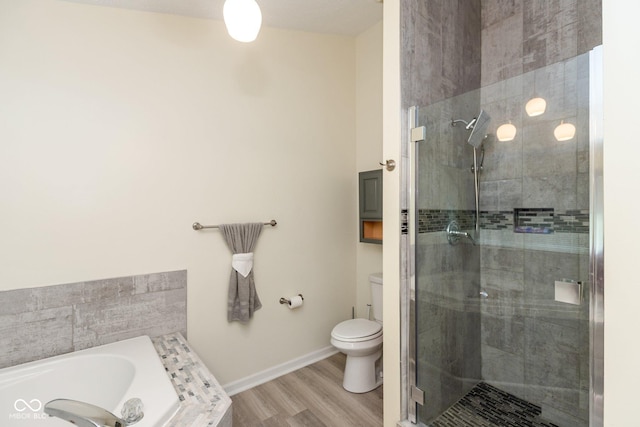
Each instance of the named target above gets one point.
<point>82,414</point>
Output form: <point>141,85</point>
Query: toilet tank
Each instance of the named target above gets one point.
<point>375,280</point>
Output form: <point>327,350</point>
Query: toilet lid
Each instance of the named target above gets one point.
<point>356,328</point>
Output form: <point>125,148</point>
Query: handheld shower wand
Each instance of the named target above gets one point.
<point>478,127</point>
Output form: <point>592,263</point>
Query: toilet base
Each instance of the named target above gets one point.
<point>360,373</point>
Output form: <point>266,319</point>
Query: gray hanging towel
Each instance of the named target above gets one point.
<point>243,299</point>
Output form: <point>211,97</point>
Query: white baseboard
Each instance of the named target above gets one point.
<point>262,377</point>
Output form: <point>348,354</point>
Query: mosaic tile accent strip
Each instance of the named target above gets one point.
<point>203,400</point>
<point>430,220</point>
<point>498,220</point>
<point>572,221</point>
<point>488,406</point>
<point>519,220</point>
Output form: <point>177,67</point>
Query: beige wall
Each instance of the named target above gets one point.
<point>368,146</point>
<point>621,189</point>
<point>119,129</point>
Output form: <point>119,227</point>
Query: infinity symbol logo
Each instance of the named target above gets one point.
<point>22,405</point>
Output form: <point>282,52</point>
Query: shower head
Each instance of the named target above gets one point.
<point>477,126</point>
<point>471,123</point>
<point>478,129</point>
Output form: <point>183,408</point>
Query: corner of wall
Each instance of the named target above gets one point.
<point>368,146</point>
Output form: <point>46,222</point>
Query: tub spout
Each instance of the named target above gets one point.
<point>82,414</point>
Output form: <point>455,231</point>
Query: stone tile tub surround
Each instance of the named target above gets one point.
<point>41,322</point>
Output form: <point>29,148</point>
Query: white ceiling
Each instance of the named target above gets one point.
<point>348,17</point>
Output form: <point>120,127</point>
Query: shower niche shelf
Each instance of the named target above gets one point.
<point>533,220</point>
<point>370,202</point>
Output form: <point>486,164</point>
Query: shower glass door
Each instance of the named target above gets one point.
<point>502,316</point>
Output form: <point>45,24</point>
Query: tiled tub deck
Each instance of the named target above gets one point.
<point>203,402</point>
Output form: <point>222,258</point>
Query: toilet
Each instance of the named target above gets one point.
<point>361,341</point>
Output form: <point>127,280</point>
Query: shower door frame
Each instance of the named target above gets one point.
<point>411,394</point>
<point>596,239</point>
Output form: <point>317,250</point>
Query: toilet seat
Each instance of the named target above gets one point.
<point>356,330</point>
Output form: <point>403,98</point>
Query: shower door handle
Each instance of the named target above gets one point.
<point>389,164</point>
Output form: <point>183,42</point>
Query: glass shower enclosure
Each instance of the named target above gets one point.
<point>506,235</point>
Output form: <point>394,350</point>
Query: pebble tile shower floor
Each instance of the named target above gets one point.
<point>487,406</point>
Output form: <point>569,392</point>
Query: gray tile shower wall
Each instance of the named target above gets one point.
<point>448,315</point>
<point>440,60</point>
<point>47,321</point>
<point>519,36</point>
<point>440,49</point>
<point>535,170</point>
<point>532,346</point>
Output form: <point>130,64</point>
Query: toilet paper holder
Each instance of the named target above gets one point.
<point>287,301</point>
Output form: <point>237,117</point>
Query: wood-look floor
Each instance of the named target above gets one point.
<point>312,397</point>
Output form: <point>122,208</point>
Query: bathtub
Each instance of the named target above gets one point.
<point>106,376</point>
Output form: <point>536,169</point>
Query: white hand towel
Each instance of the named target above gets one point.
<point>242,263</point>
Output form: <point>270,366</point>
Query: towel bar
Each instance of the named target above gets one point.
<point>197,226</point>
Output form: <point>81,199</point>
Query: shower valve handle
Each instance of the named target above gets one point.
<point>454,234</point>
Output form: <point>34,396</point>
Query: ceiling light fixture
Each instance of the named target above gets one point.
<point>506,132</point>
<point>536,107</point>
<point>564,131</point>
<point>243,19</point>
